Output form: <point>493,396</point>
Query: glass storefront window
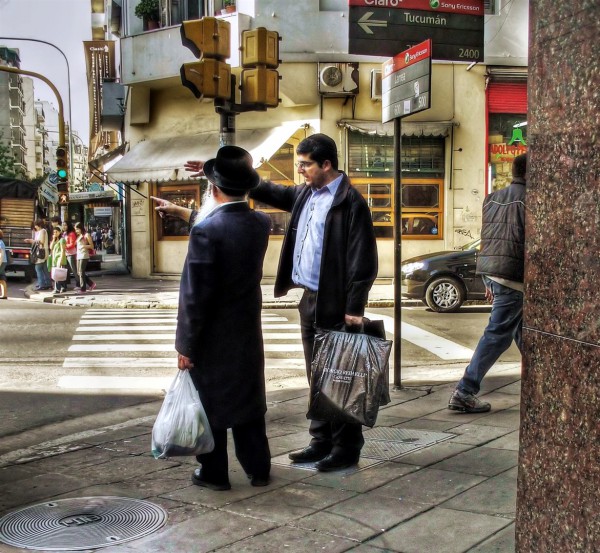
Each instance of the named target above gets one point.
<point>371,166</point>
<point>507,139</point>
<point>171,228</point>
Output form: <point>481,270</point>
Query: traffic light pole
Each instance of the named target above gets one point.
<point>61,119</point>
<point>68,86</point>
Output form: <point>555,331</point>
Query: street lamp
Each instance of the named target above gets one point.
<point>68,85</point>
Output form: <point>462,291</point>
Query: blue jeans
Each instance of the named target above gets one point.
<point>504,326</point>
<point>43,276</point>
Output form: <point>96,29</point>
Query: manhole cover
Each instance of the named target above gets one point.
<point>389,443</point>
<point>81,523</point>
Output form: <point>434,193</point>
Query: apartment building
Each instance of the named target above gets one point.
<point>448,163</point>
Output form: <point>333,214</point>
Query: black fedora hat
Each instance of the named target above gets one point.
<point>232,170</point>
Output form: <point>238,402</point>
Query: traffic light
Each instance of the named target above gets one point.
<point>260,58</point>
<point>62,168</point>
<point>208,39</point>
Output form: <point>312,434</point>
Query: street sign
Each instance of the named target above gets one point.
<point>49,192</point>
<point>53,177</point>
<point>385,27</point>
<point>406,82</point>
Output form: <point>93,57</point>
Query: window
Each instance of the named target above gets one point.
<point>175,11</point>
<point>371,167</point>
<point>507,139</point>
<point>173,228</point>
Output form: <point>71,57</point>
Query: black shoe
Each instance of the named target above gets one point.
<point>259,481</point>
<point>199,481</point>
<point>336,461</point>
<point>309,454</point>
<point>467,403</point>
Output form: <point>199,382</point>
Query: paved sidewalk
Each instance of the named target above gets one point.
<point>455,495</point>
<point>429,480</point>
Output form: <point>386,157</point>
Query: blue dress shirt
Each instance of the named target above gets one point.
<point>309,237</point>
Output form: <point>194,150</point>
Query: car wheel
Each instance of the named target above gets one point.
<point>445,295</point>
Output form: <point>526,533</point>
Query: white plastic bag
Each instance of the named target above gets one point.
<point>181,427</point>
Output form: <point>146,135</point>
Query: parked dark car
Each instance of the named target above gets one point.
<point>443,280</point>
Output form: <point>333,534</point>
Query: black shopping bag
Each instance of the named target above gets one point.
<point>349,377</point>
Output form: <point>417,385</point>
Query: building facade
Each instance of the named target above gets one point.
<point>446,164</point>
<point>12,113</point>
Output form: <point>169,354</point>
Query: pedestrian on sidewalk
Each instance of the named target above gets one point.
<point>71,250</point>
<point>58,258</point>
<point>219,331</point>
<point>40,238</point>
<point>84,246</point>
<point>501,262</point>
<point>330,252</point>
<point>3,264</point>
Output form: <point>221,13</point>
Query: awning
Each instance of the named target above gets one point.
<point>425,128</point>
<point>162,159</point>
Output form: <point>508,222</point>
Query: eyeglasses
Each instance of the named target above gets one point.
<point>304,164</point>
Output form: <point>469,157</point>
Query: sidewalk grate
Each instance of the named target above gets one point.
<point>80,524</point>
<point>384,443</point>
<point>381,444</point>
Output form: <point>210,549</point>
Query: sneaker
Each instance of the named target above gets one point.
<point>93,286</point>
<point>77,289</point>
<point>467,403</point>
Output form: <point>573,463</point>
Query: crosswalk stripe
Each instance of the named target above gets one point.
<point>108,337</point>
<point>122,347</point>
<point>116,382</point>
<point>439,346</point>
<point>128,328</point>
<point>112,320</point>
<point>128,362</point>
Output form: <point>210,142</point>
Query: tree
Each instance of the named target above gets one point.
<point>7,161</point>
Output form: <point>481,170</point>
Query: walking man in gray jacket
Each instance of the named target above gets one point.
<point>501,263</point>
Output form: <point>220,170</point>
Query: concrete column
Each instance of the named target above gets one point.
<point>558,508</point>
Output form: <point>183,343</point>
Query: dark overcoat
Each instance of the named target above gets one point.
<point>349,258</point>
<point>219,317</point>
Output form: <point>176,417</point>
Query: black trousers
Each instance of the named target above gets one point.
<point>251,449</point>
<point>342,438</point>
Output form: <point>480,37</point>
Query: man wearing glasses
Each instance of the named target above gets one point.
<point>330,252</point>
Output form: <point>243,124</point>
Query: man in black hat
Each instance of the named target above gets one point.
<point>219,334</point>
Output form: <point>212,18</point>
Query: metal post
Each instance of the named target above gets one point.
<point>397,253</point>
<point>68,89</point>
<point>61,122</point>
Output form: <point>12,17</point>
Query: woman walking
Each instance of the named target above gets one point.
<point>58,259</point>
<point>71,249</point>
<point>40,239</point>
<point>84,245</point>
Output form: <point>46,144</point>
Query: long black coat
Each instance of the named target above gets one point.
<point>349,260</point>
<point>219,317</point>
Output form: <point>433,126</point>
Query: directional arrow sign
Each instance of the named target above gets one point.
<point>365,23</point>
<point>386,27</point>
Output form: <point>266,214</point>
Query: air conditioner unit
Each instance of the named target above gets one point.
<point>492,7</point>
<point>338,79</point>
<point>376,85</point>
